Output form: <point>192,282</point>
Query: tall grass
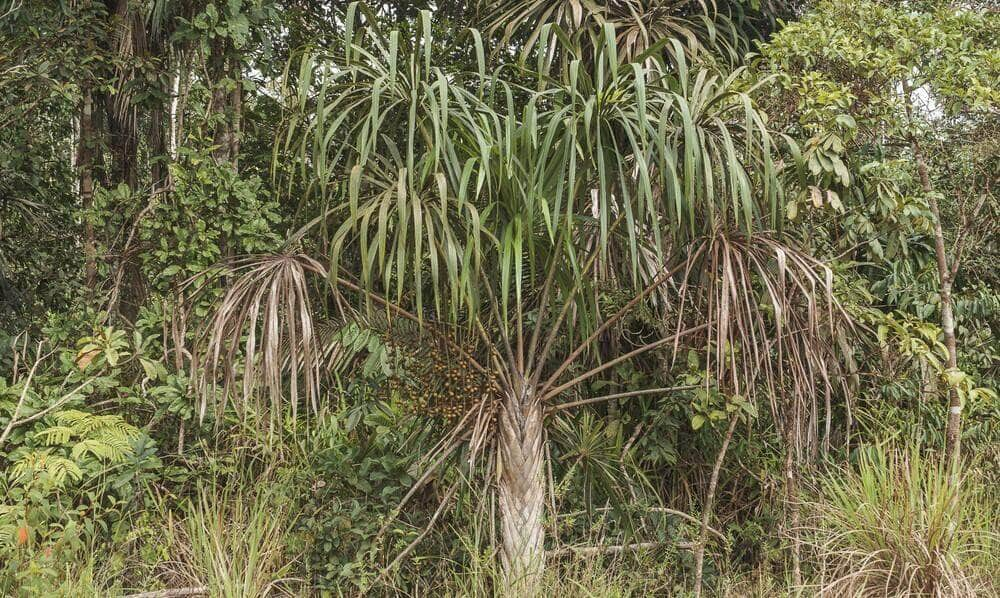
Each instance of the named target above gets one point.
<point>897,525</point>
<point>233,542</point>
<point>635,575</point>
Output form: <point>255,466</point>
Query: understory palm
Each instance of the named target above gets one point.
<point>492,209</point>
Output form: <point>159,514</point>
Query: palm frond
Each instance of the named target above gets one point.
<point>773,323</point>
<point>641,25</point>
<point>262,333</point>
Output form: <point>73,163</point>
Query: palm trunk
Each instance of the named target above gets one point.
<point>521,493</point>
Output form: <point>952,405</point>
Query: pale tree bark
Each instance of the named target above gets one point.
<point>175,85</point>
<point>706,515</point>
<point>85,164</point>
<point>953,430</point>
<point>178,99</point>
<point>521,492</point>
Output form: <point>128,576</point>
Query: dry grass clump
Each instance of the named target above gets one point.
<point>897,524</point>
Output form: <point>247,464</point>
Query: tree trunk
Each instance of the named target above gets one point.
<point>521,493</point>
<point>226,107</point>
<point>84,157</point>
<point>221,99</point>
<point>157,149</point>
<point>124,144</point>
<point>236,106</point>
<point>177,105</point>
<point>792,496</point>
<point>953,430</point>
<point>127,41</point>
<point>159,133</point>
<point>706,515</point>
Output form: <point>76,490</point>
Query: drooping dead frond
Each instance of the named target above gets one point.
<point>772,321</point>
<point>262,344</point>
<point>266,311</point>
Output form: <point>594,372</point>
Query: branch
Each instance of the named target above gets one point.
<point>617,360</point>
<point>668,511</point>
<point>699,554</point>
<point>963,234</point>
<point>542,308</point>
<point>20,402</point>
<point>540,357</point>
<point>661,278</point>
<point>412,545</point>
<point>615,549</point>
<point>722,538</point>
<point>14,7</point>
<point>41,413</point>
<point>621,395</point>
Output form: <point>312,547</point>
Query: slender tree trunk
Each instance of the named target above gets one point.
<point>84,157</point>
<point>124,145</point>
<point>177,94</point>
<point>226,107</point>
<point>953,431</point>
<point>792,496</point>
<point>158,149</point>
<point>221,99</point>
<point>853,382</point>
<point>706,515</point>
<point>521,493</point>
<point>236,106</point>
<point>178,324</point>
<point>99,168</point>
<point>128,40</point>
<point>159,138</point>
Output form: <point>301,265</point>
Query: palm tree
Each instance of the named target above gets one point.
<point>481,205</point>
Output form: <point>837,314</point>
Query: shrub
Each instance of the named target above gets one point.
<point>353,472</point>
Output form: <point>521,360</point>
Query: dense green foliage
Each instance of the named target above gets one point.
<point>527,297</point>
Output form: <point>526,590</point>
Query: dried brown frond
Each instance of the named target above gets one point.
<point>266,312</point>
<point>772,323</point>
